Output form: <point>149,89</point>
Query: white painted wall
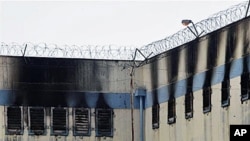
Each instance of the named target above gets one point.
<point>212,126</point>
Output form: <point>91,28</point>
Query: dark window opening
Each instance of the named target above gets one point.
<point>189,105</point>
<point>81,121</point>
<point>225,93</point>
<point>245,87</point>
<point>104,122</point>
<point>207,99</point>
<point>36,121</point>
<point>59,122</point>
<point>155,116</point>
<point>171,111</point>
<point>14,121</point>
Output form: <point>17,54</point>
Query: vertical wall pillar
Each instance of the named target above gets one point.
<point>141,93</point>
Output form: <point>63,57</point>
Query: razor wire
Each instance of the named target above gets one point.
<point>206,26</point>
<point>113,52</point>
<point>66,51</point>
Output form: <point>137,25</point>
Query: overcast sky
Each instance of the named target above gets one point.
<point>100,22</point>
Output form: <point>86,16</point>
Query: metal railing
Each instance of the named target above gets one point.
<point>113,52</point>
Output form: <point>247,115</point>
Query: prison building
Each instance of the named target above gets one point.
<point>193,92</point>
<point>196,91</point>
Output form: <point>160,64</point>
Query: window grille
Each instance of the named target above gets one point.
<point>59,121</point>
<point>189,105</point>
<point>104,122</point>
<point>207,92</point>
<point>14,123</point>
<point>36,121</point>
<point>245,87</point>
<point>225,93</point>
<point>81,122</point>
<point>155,116</point>
<point>171,111</point>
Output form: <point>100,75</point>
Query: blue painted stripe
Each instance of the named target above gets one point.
<point>115,100</point>
<point>67,99</point>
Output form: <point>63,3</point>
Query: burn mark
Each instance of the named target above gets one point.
<point>212,51</point>
<point>49,98</point>
<point>230,48</point>
<point>246,52</point>
<point>172,66</point>
<point>190,71</point>
<point>191,57</point>
<point>154,82</point>
<point>211,59</point>
<point>95,76</point>
<point>101,102</point>
<point>245,76</point>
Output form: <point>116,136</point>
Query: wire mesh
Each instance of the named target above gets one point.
<point>113,52</point>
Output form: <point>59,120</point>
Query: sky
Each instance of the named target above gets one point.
<point>122,23</point>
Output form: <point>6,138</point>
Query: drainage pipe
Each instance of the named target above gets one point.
<point>141,119</point>
<point>141,93</point>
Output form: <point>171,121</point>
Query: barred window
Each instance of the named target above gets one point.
<point>59,121</point>
<point>171,111</point>
<point>36,121</point>
<point>245,87</point>
<point>207,91</point>
<point>189,105</point>
<point>155,116</point>
<point>81,122</point>
<point>225,93</point>
<point>104,122</point>
<point>14,123</point>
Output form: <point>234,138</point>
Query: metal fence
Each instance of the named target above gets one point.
<point>113,52</point>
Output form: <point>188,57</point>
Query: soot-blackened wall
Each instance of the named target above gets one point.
<point>63,82</point>
<point>204,62</point>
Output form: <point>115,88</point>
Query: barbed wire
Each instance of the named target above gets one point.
<point>206,26</point>
<point>66,51</point>
<point>113,52</point>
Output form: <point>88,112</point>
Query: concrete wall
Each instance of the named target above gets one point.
<point>201,63</point>
<point>58,82</point>
<point>212,126</point>
<point>64,74</point>
<point>122,128</point>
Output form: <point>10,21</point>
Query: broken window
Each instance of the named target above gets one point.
<point>207,91</point>
<point>14,121</point>
<point>81,122</point>
<point>245,87</point>
<point>59,121</point>
<point>171,111</point>
<point>36,121</point>
<point>189,105</point>
<point>225,93</point>
<point>104,122</point>
<point>155,116</point>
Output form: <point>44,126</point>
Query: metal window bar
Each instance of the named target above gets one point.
<point>155,116</point>
<point>207,92</point>
<point>59,121</point>
<point>189,105</point>
<point>14,123</point>
<point>171,111</point>
<point>81,122</point>
<point>36,121</point>
<point>225,93</point>
<point>245,87</point>
<point>104,122</point>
